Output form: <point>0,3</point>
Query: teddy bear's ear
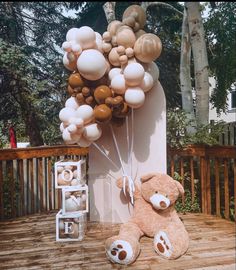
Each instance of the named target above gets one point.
<point>180,187</point>
<point>147,177</point>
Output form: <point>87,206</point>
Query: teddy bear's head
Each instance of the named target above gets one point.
<point>160,190</point>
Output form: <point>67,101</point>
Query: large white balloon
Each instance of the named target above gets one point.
<point>72,103</point>
<point>85,112</point>
<point>86,37</point>
<point>66,113</point>
<point>92,64</point>
<point>118,84</point>
<point>72,34</point>
<point>134,74</point>
<point>92,132</point>
<point>134,97</point>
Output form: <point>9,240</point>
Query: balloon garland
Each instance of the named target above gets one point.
<point>111,74</point>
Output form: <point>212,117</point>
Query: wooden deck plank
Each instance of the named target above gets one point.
<point>29,243</point>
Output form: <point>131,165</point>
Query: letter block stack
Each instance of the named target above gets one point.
<point>71,220</point>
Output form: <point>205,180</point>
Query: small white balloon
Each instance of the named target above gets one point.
<point>147,82</point>
<point>86,37</point>
<point>98,45</point>
<point>85,112</point>
<point>118,84</point>
<point>134,97</point>
<point>70,138</point>
<point>76,48</point>
<point>152,69</point>
<point>72,128</point>
<point>72,34</point>
<point>66,113</point>
<point>92,64</point>
<point>92,132</point>
<point>98,35</point>
<point>62,127</point>
<point>72,103</point>
<point>66,46</point>
<point>75,182</point>
<point>113,72</point>
<point>71,204</point>
<point>79,122</point>
<point>134,74</point>
<point>75,173</point>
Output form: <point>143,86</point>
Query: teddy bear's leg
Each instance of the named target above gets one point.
<point>124,248</point>
<point>171,243</point>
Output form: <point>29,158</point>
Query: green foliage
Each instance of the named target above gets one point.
<point>178,135</point>
<point>220,31</point>
<point>188,205</point>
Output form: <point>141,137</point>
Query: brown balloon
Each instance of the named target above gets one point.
<point>147,48</point>
<point>101,93</point>
<point>102,113</point>
<point>136,9</point>
<point>75,80</point>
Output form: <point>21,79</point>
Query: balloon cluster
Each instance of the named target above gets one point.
<point>111,74</point>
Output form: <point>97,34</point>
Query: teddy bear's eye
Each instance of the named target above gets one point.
<point>166,196</point>
<point>156,191</point>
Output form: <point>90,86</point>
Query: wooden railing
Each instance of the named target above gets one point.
<point>209,172</point>
<point>27,178</point>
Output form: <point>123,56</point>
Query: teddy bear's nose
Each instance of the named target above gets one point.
<point>162,204</point>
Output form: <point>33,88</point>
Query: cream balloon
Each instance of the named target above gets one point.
<point>91,64</point>
<point>152,69</point>
<point>86,37</point>
<point>118,84</point>
<point>134,97</point>
<point>62,127</point>
<point>114,57</point>
<point>60,169</point>
<point>83,142</point>
<point>72,103</point>
<point>72,34</point>
<point>125,37</point>
<point>66,113</point>
<point>134,74</point>
<point>147,82</point>
<point>92,132</point>
<point>67,64</point>
<point>113,72</point>
<point>85,112</point>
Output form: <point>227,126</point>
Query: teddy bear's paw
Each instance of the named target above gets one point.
<point>162,244</point>
<point>121,252</point>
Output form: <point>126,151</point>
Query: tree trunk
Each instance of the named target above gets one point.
<point>145,5</point>
<point>200,61</point>
<point>109,9</point>
<point>185,74</point>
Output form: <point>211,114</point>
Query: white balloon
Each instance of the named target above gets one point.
<point>134,74</point>
<point>75,182</point>
<point>92,132</point>
<point>83,142</point>
<point>72,103</point>
<point>79,122</point>
<point>66,113</point>
<point>71,204</point>
<point>118,84</point>
<point>147,82</point>
<point>75,173</point>
<point>98,45</point>
<point>92,64</point>
<point>86,37</point>
<point>85,112</point>
<point>98,35</point>
<point>76,48</point>
<point>66,62</point>
<point>62,127</point>
<point>72,34</point>
<point>113,72</point>
<point>134,97</point>
<point>66,46</point>
<point>70,138</point>
<point>72,128</point>
<point>153,69</point>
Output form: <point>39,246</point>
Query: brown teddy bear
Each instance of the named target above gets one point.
<point>155,216</point>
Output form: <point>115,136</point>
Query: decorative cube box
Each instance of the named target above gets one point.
<point>75,200</point>
<point>70,227</point>
<point>69,173</point>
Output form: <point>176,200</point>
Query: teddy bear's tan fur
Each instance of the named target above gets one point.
<point>154,216</point>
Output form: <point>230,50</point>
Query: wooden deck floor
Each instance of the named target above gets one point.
<point>29,243</point>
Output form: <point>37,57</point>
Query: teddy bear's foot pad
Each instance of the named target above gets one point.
<point>162,244</point>
<point>120,252</point>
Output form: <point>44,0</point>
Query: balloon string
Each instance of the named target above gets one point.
<point>104,154</point>
<point>130,180</point>
<point>117,148</point>
<point>127,136</point>
<point>132,142</point>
